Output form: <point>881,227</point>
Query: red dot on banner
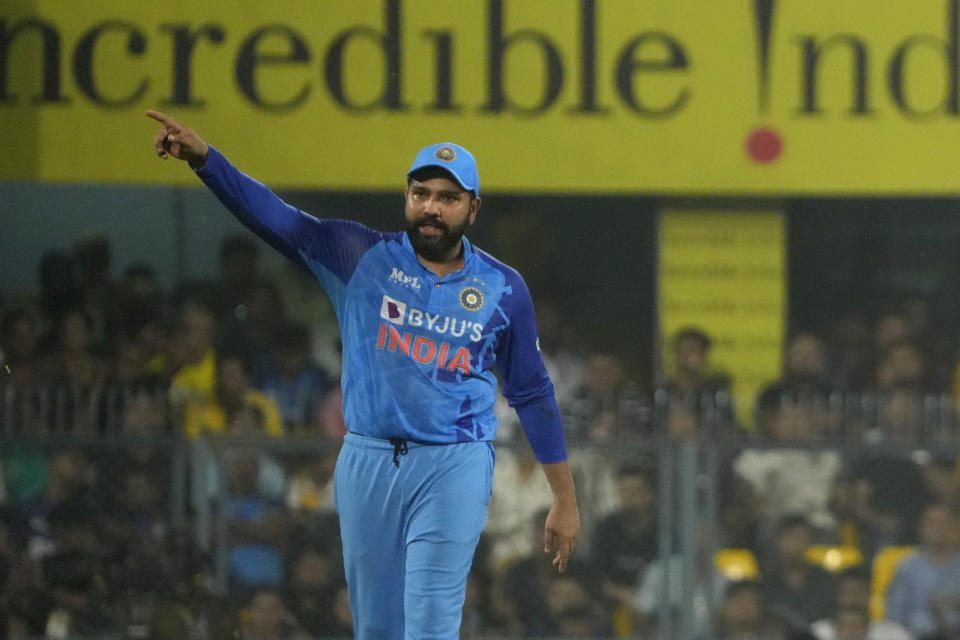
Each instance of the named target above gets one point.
<point>764,145</point>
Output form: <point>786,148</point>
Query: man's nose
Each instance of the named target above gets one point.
<point>432,206</point>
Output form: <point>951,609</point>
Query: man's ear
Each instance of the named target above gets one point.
<point>474,210</point>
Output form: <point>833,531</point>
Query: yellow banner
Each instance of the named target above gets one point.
<point>615,96</point>
<point>724,272</point>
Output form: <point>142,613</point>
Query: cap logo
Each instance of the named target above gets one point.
<point>446,154</point>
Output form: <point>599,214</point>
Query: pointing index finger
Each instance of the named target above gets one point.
<point>161,117</point>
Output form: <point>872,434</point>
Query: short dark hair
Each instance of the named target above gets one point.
<point>736,586</point>
<point>861,573</point>
<point>52,261</point>
<point>238,244</point>
<point>294,336</point>
<point>793,521</point>
<point>694,333</point>
<point>93,251</point>
<point>75,310</point>
<point>139,270</point>
<point>197,303</point>
<point>945,505</point>
<point>425,173</point>
<point>10,320</point>
<point>638,468</point>
<point>235,353</point>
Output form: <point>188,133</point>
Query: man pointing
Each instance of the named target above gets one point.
<point>425,317</point>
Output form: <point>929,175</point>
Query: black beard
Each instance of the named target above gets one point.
<point>434,248</point>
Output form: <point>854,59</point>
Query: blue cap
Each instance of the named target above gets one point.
<point>453,159</point>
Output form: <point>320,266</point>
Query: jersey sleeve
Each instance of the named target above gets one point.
<point>327,248</point>
<point>526,383</point>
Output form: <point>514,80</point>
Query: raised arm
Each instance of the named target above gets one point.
<point>330,249</point>
<point>253,203</point>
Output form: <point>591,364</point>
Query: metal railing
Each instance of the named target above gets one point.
<point>692,473</point>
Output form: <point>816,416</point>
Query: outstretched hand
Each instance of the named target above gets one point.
<point>178,140</point>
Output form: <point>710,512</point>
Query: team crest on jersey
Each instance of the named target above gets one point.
<point>447,154</point>
<point>471,298</point>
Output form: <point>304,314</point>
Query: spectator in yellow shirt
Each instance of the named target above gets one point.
<point>236,407</point>
<point>195,378</point>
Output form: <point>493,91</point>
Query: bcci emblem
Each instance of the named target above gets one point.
<point>446,154</point>
<point>471,298</point>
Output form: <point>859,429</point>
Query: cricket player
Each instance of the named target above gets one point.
<point>424,318</point>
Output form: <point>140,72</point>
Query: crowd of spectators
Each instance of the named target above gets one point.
<point>120,400</point>
<point>149,487</point>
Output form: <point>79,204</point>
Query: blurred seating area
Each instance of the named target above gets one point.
<point>166,461</point>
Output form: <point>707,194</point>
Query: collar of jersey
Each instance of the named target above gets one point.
<point>467,256</point>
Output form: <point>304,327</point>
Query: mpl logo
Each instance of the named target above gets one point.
<point>401,278</point>
<point>393,310</point>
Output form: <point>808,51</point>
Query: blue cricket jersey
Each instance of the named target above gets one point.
<point>418,350</point>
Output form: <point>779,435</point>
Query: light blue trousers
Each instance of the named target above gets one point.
<point>409,533</point>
